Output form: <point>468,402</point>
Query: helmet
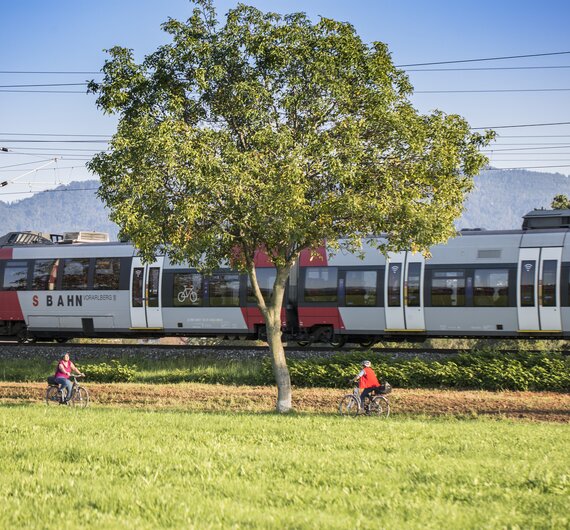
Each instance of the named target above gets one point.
<point>368,364</point>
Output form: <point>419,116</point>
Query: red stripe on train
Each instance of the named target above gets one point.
<point>10,308</point>
<point>319,316</point>
<point>6,253</point>
<point>252,316</point>
<point>317,258</point>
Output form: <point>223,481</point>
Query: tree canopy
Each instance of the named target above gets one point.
<point>275,132</point>
<point>560,202</point>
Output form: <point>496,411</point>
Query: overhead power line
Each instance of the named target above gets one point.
<point>43,85</point>
<point>44,91</point>
<point>485,59</point>
<point>500,58</point>
<point>13,141</point>
<point>56,72</point>
<point>53,134</point>
<point>522,125</point>
<point>492,90</point>
<point>25,163</point>
<point>57,149</point>
<point>522,167</point>
<point>44,169</point>
<point>487,68</point>
<point>527,148</point>
<point>48,191</point>
<point>535,136</point>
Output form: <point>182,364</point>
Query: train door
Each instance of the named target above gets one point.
<point>414,292</point>
<point>538,293</point>
<point>146,304</point>
<point>404,280</point>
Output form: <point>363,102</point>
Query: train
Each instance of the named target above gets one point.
<point>482,283</point>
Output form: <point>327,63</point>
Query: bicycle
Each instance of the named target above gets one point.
<point>188,292</point>
<point>374,405</point>
<point>79,395</point>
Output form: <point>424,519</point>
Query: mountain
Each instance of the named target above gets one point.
<point>499,200</point>
<point>64,209</point>
<point>501,197</point>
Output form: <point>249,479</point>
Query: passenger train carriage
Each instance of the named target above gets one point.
<point>480,284</point>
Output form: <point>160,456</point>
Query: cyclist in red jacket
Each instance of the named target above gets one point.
<point>367,381</point>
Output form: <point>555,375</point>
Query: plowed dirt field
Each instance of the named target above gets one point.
<point>537,406</point>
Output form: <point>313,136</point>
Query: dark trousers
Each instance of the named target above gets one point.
<point>366,392</point>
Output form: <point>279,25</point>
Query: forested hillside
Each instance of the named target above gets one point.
<point>499,201</point>
<point>58,211</point>
<point>501,198</point>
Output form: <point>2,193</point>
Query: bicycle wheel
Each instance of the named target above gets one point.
<point>80,397</point>
<point>53,395</point>
<point>349,406</point>
<point>380,407</point>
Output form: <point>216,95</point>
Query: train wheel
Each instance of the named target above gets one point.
<point>61,340</point>
<point>367,343</point>
<point>337,341</point>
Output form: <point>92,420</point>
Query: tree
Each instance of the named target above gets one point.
<point>273,132</point>
<point>560,202</point>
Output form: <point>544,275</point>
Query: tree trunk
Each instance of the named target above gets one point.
<point>280,370</point>
<point>272,315</point>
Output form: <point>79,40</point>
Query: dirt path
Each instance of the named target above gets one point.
<point>538,406</point>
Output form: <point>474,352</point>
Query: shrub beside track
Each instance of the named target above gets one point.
<point>479,370</point>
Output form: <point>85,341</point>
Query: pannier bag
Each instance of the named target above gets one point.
<point>385,388</point>
<point>51,380</point>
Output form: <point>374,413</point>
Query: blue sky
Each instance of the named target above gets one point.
<point>71,35</point>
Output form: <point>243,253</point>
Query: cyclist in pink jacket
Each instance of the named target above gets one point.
<point>62,373</point>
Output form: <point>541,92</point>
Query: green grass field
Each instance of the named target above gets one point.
<point>114,468</point>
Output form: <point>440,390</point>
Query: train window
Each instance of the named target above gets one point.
<point>137,289</point>
<point>549,269</point>
<point>45,274</point>
<point>265,279</point>
<point>75,271</point>
<point>448,289</point>
<point>491,288</point>
<point>188,290</point>
<point>528,270</point>
<point>394,284</point>
<point>414,282</point>
<point>320,284</point>
<point>224,290</point>
<point>15,276</point>
<point>107,273</point>
<point>153,287</point>
<point>360,288</point>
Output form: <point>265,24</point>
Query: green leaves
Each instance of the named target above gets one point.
<point>273,131</point>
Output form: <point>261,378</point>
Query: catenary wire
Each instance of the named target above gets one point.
<point>492,91</point>
<point>43,85</point>
<point>485,59</point>
<point>522,125</point>
<point>487,68</point>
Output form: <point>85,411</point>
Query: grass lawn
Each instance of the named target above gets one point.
<point>107,467</point>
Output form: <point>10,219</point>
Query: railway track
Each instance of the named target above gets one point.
<point>209,348</point>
